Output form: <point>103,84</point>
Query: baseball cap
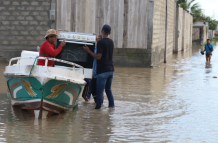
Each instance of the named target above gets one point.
<point>106,28</point>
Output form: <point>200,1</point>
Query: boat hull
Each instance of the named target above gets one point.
<point>43,100</point>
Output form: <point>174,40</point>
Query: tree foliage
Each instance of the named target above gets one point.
<point>193,7</point>
<point>212,22</point>
<point>207,18</point>
<point>213,25</point>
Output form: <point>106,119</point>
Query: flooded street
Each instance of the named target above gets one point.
<point>175,102</point>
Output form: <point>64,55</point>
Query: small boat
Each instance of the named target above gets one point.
<point>43,90</point>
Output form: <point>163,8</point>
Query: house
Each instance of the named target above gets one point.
<point>200,31</point>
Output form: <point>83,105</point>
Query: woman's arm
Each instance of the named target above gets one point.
<point>51,51</point>
<point>48,49</point>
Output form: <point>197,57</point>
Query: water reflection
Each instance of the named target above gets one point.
<point>175,102</point>
<point>208,65</point>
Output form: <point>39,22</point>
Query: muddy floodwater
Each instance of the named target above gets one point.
<point>175,102</point>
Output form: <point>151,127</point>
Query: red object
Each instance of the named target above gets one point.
<point>48,49</point>
<point>12,88</point>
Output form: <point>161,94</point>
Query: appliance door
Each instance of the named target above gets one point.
<point>73,52</point>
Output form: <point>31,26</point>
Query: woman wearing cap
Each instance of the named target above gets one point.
<point>47,48</point>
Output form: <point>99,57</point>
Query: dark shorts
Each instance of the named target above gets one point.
<point>208,55</point>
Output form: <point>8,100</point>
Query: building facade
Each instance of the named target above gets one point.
<point>145,32</point>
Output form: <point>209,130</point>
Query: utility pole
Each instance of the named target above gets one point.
<point>166,33</point>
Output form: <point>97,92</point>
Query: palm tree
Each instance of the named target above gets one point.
<point>197,14</point>
<point>193,7</point>
<point>188,4</point>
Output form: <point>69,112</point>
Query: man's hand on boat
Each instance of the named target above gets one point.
<point>86,48</point>
<point>96,56</point>
<point>63,43</point>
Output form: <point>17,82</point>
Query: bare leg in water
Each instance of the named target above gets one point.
<point>208,58</point>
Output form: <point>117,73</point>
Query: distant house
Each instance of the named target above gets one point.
<point>201,23</point>
<point>217,26</point>
<point>201,31</point>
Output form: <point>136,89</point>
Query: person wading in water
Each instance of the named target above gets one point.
<point>105,67</point>
<point>209,49</point>
<point>91,86</point>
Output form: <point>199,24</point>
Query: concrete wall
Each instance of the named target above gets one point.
<point>171,26</point>
<point>184,29</point>
<point>217,26</point>
<point>138,26</point>
<point>200,33</point>
<point>196,34</point>
<point>23,24</point>
<point>127,18</point>
<point>214,32</point>
<point>158,42</point>
<point>188,24</point>
<point>211,34</point>
<point>178,20</point>
<point>205,34</point>
<point>179,30</point>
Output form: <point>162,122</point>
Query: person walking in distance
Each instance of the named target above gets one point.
<point>105,67</point>
<point>209,49</point>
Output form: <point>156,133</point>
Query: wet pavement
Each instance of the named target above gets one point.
<point>175,102</point>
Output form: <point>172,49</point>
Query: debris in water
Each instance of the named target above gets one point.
<point>214,76</point>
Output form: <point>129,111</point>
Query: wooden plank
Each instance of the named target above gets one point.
<point>87,19</point>
<point>120,21</point>
<point>150,23</point>
<point>63,15</point>
<point>76,15</point>
<point>92,16</point>
<point>73,14</point>
<point>125,23</point>
<point>58,20</point>
<point>130,24</point>
<point>68,15</point>
<point>97,16</point>
<point>136,18</point>
<point>127,18</point>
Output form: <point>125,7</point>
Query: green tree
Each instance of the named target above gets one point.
<point>189,5</point>
<point>197,15</point>
<point>213,25</point>
<point>207,18</point>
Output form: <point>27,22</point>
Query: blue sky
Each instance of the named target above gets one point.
<point>210,7</point>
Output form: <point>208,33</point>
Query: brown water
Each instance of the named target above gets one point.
<point>176,102</point>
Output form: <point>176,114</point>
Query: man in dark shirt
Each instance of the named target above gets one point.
<point>105,67</point>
